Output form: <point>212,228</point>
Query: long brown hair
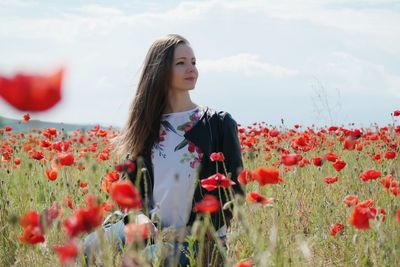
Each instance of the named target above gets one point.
<point>142,128</point>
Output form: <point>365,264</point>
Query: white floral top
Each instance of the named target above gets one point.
<point>175,162</point>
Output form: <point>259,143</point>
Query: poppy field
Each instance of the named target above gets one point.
<point>313,196</point>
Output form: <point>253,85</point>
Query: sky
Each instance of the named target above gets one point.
<point>304,62</point>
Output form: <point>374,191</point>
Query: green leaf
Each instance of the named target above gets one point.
<point>181,145</point>
<point>168,126</point>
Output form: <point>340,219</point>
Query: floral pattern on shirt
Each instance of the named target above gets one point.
<point>194,154</point>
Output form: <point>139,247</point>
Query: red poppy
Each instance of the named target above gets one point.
<point>290,159</point>
<point>82,184</point>
<point>339,165</point>
<point>370,175</point>
<point>127,166</point>
<point>336,228</point>
<point>245,176</point>
<point>66,252</point>
<point>273,133</point>
<point>17,161</point>
<point>246,263</point>
<point>268,175</point>
<point>126,195</point>
<point>38,155</point>
<point>33,232</point>
<point>137,232</point>
<point>331,180</point>
<point>396,113</point>
<point>217,156</point>
<point>362,212</point>
<point>216,180</point>
<point>350,200</point>
<point>395,190</point>
<point>388,181</point>
<point>26,117</point>
<point>398,215</point>
<point>209,204</point>
<point>68,202</point>
<point>84,219</point>
<point>66,158</point>
<point>32,92</point>
<point>349,144</point>
<point>381,214</point>
<point>255,197</point>
<point>51,174</point>
<point>331,156</point>
<point>390,155</point>
<point>317,161</point>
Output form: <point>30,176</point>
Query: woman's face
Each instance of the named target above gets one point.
<point>184,71</point>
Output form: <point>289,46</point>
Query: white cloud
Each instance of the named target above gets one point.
<point>345,71</point>
<point>248,64</point>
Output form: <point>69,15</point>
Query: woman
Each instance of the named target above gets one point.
<point>172,138</point>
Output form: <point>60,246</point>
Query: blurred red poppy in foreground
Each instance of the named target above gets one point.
<point>33,232</point>
<point>209,204</point>
<point>137,232</point>
<point>84,219</point>
<point>32,92</point>
<point>66,252</point>
<point>126,195</point>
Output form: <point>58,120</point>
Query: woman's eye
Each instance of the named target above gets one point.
<point>194,63</point>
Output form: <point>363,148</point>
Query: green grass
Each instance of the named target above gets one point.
<point>294,231</point>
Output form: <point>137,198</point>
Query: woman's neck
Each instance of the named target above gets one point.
<point>178,102</point>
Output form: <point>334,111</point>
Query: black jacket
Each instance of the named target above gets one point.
<point>214,132</point>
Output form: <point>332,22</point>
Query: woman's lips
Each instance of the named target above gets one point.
<point>192,79</point>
